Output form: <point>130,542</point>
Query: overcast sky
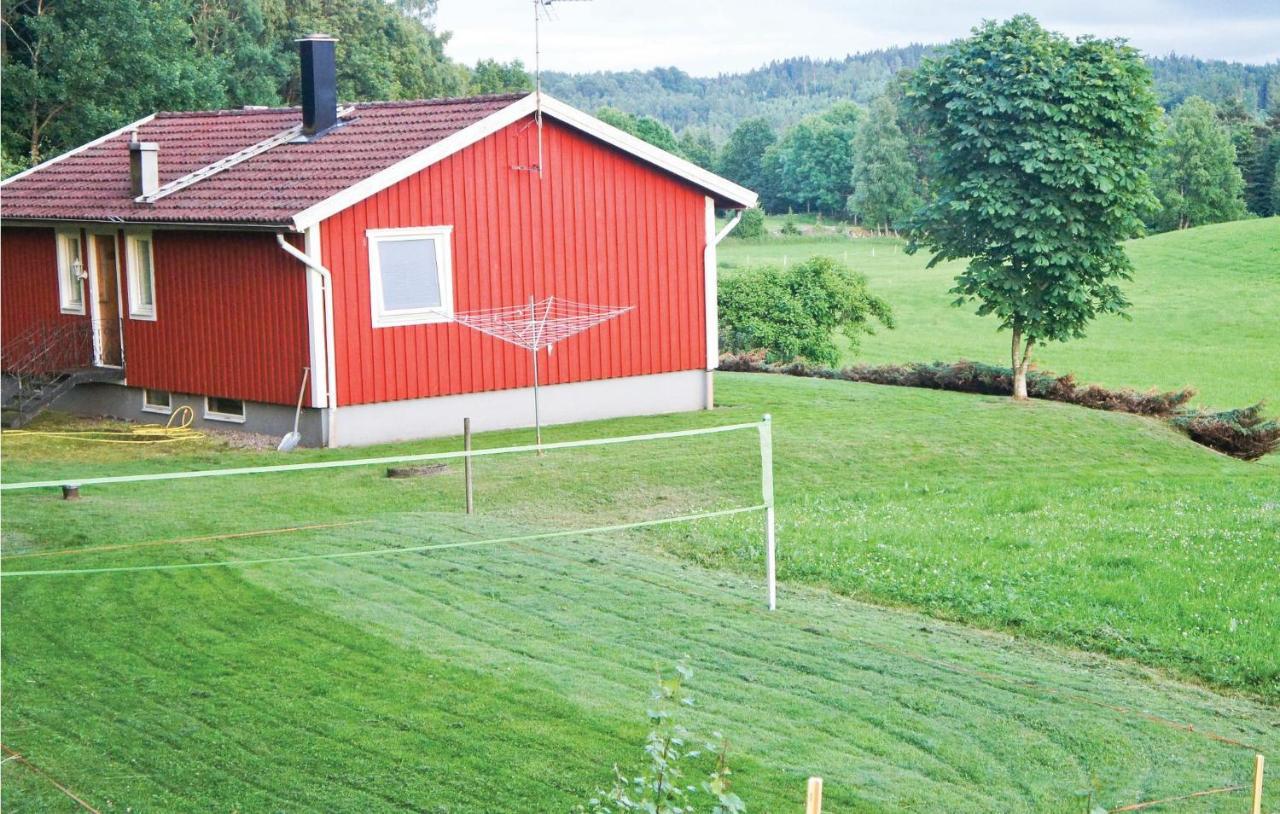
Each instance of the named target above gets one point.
<point>705,38</point>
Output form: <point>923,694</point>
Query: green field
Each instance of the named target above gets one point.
<point>1205,305</point>
<point>516,675</point>
<point>998,543</point>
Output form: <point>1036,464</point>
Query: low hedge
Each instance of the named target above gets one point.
<point>1242,433</point>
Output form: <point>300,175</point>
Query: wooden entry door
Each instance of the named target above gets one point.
<point>107,342</point>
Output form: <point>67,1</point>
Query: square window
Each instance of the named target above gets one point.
<point>142,278</point>
<point>218,408</point>
<point>71,273</point>
<point>157,401</point>
<point>410,275</point>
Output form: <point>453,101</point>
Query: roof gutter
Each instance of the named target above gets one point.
<point>326,288</point>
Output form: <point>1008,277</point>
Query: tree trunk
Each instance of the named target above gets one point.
<point>1021,360</point>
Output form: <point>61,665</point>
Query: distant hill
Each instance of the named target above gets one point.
<point>787,90</point>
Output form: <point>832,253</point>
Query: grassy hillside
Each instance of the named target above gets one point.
<point>512,678</point>
<point>1204,312</point>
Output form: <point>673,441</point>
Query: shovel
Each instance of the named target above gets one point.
<point>290,441</point>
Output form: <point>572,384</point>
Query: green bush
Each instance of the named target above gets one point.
<point>789,227</point>
<point>751,225</point>
<point>1242,433</point>
<point>794,313</point>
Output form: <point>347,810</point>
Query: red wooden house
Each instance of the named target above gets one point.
<point>208,258</point>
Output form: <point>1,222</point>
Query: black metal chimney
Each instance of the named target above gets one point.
<point>319,83</point>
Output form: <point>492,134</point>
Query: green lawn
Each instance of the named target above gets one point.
<point>1205,305</point>
<point>513,677</point>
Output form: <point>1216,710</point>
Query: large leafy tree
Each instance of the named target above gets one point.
<point>75,69</point>
<point>492,76</point>
<point>742,158</point>
<point>645,128</point>
<point>1040,149</point>
<point>811,167</point>
<point>1195,174</point>
<point>78,68</point>
<point>884,177</point>
<point>697,146</point>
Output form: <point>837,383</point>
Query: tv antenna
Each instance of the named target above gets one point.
<point>541,8</point>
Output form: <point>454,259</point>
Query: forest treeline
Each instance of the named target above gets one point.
<point>830,136</point>
<point>786,91</point>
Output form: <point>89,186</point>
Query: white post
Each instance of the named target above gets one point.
<point>766,492</point>
<point>537,418</point>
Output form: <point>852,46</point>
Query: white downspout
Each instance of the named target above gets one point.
<point>326,287</point>
<point>712,318</point>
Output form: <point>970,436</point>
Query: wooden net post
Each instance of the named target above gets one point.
<point>813,798</point>
<point>1259,762</point>
<point>466,464</point>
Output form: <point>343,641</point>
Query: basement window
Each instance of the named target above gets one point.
<point>410,276</point>
<point>71,273</point>
<point>142,277</point>
<point>218,408</point>
<point>157,401</point>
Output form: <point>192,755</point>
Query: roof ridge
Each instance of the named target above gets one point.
<point>259,111</point>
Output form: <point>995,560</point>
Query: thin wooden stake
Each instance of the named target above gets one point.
<point>1259,763</point>
<point>466,464</point>
<point>813,800</point>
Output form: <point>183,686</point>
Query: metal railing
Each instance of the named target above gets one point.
<point>49,347</point>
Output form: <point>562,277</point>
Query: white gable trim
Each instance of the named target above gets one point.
<point>415,163</point>
<point>81,148</point>
<point>722,187</point>
<point>494,122</point>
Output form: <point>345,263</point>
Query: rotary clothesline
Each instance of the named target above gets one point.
<point>540,324</point>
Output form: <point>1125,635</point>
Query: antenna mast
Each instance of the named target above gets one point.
<point>538,6</point>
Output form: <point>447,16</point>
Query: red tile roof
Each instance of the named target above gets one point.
<point>267,189</point>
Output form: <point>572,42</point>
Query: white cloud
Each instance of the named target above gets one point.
<point>706,38</point>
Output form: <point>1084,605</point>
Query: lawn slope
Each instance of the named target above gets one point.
<point>1204,311</point>
<point>512,678</point>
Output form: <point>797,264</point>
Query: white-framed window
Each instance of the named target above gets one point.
<point>410,275</point>
<point>157,401</point>
<point>71,272</point>
<point>218,408</point>
<point>142,276</point>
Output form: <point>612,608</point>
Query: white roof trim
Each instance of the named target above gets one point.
<point>81,148</point>
<point>417,162</point>
<point>674,164</point>
<point>721,187</point>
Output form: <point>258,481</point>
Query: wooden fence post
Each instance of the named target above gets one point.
<point>466,464</point>
<point>813,799</point>
<point>1258,763</point>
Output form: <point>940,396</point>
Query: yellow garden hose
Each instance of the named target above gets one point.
<point>177,428</point>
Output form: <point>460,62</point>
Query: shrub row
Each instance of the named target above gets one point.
<point>1242,433</point>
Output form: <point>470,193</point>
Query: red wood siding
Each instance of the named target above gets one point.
<point>599,227</point>
<point>231,319</point>
<point>29,282</point>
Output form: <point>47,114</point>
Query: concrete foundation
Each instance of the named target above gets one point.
<point>121,401</point>
<point>363,424</point>
<point>508,409</point>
